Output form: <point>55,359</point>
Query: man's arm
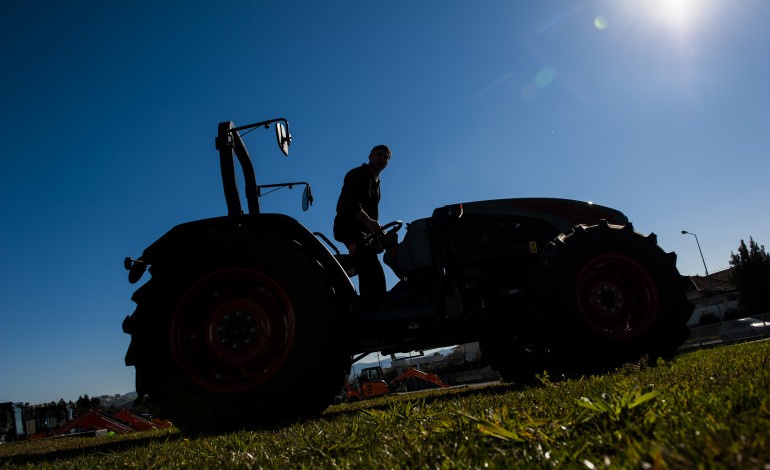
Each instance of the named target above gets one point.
<point>354,190</point>
<point>371,225</point>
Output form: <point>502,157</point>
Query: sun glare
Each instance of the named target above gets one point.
<point>680,17</point>
<point>678,13</point>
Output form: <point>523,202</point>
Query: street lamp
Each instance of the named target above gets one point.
<point>711,281</point>
<point>685,232</point>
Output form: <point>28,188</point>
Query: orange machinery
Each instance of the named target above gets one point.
<point>373,385</point>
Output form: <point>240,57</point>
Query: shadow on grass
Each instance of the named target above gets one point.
<point>427,396</point>
<point>45,450</point>
<point>385,402</point>
<point>380,403</point>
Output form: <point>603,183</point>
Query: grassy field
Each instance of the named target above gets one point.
<point>706,409</point>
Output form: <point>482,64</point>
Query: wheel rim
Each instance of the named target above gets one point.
<point>232,330</point>
<point>617,297</point>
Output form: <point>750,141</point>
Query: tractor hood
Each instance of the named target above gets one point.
<point>561,213</point>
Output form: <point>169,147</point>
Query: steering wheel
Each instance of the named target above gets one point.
<point>396,224</point>
<point>383,240</point>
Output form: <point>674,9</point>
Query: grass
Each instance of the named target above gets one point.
<point>706,409</point>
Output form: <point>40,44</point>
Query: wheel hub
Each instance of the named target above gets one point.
<point>237,331</point>
<point>232,330</point>
<point>617,296</point>
<point>608,298</point>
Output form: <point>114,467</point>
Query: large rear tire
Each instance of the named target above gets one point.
<point>236,345</point>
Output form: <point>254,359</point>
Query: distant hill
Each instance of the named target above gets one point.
<point>121,402</point>
<point>358,366</point>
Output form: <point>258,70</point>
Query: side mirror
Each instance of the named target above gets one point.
<point>307,198</point>
<point>283,137</point>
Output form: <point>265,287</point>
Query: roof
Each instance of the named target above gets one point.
<point>136,422</point>
<point>718,282</point>
<point>94,419</point>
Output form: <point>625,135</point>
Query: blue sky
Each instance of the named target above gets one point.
<point>109,110</point>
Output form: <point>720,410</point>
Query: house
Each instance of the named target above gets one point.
<point>714,294</point>
<point>421,362</point>
<point>92,421</point>
<point>120,422</point>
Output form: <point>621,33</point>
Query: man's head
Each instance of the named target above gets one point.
<point>378,158</point>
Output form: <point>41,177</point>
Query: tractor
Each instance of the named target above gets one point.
<point>242,312</point>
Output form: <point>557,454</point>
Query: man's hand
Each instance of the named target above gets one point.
<point>371,225</point>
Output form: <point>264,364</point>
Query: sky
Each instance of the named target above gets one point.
<point>108,112</point>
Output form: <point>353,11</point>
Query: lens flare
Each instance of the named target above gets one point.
<point>600,23</point>
<point>545,77</point>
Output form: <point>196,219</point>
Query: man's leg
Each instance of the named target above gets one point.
<point>371,280</point>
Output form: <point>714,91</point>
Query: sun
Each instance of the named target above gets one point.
<point>679,19</point>
<point>678,13</point>
<point>678,16</point>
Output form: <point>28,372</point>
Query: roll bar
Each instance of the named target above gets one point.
<point>229,142</point>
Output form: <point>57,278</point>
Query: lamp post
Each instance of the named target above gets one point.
<point>711,281</point>
<point>685,232</point>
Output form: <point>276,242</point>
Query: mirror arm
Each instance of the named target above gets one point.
<point>265,124</point>
<point>283,185</point>
<point>307,196</point>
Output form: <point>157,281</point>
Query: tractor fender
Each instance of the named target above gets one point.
<point>235,239</point>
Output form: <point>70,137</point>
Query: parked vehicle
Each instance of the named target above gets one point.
<point>743,328</point>
<point>242,312</point>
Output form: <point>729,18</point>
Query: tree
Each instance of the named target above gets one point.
<point>142,405</point>
<point>86,403</point>
<point>96,404</point>
<point>751,276</point>
<point>83,404</point>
